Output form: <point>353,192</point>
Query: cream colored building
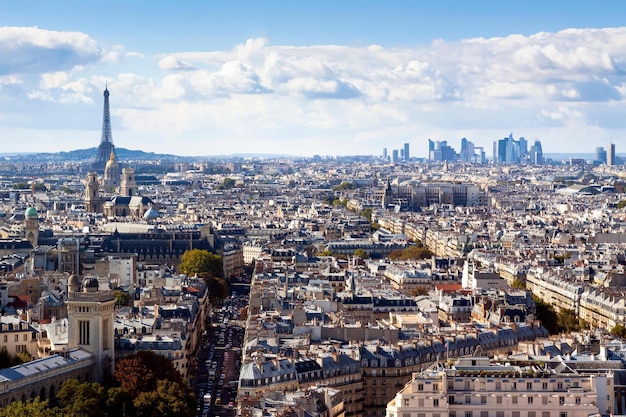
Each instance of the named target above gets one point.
<point>476,388</point>
<point>17,336</point>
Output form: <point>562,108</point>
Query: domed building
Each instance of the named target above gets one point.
<point>151,214</point>
<point>91,316</point>
<point>111,179</point>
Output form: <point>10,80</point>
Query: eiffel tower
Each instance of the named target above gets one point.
<point>106,141</point>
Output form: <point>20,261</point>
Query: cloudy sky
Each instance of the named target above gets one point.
<point>311,77</point>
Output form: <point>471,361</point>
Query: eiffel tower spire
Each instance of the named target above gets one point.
<point>106,147</point>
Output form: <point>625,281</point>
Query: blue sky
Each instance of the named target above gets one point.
<point>304,78</point>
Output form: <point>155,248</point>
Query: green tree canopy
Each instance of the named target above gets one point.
<point>197,261</point>
<point>367,213</point>
<point>345,185</point>
<point>418,291</point>
<point>619,330</point>
<point>568,321</point>
<point>26,186</point>
<point>547,315</point>
<point>86,399</point>
<point>7,360</point>
<point>518,284</point>
<point>31,408</point>
<point>121,298</point>
<point>169,399</point>
<point>227,184</point>
<point>361,253</point>
<point>411,252</point>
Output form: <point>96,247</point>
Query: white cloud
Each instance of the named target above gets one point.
<point>33,50</point>
<point>338,95</point>
<point>171,63</point>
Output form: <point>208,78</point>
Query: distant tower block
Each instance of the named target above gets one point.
<point>106,147</point>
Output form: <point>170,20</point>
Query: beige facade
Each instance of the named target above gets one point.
<point>476,388</point>
<point>17,336</point>
<point>91,316</point>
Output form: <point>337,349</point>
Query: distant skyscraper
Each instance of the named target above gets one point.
<point>407,157</point>
<point>610,154</point>
<point>384,153</point>
<point>106,147</point>
<point>523,147</point>
<point>535,155</point>
<point>442,152</point>
<point>509,150</point>
<point>601,154</point>
<point>395,157</point>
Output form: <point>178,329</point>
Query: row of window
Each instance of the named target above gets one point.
<point>16,338</point>
<point>467,399</point>
<point>485,414</point>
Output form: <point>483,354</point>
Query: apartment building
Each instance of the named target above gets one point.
<point>474,387</point>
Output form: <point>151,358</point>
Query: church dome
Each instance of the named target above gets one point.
<point>31,212</point>
<point>151,213</point>
<point>90,284</point>
<point>73,280</point>
<point>111,162</point>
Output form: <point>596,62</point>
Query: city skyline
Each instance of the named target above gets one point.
<point>354,78</point>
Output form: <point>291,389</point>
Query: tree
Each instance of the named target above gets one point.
<point>218,287</point>
<point>361,253</point>
<point>326,252</point>
<point>411,252</point>
<point>416,292</point>
<point>26,186</point>
<point>243,313</point>
<point>547,315</point>
<point>140,372</point>
<point>619,330</point>
<point>121,298</point>
<point>86,399</point>
<point>518,284</point>
<point>7,360</point>
<point>568,321</point>
<point>31,408</point>
<point>169,399</point>
<point>367,213</point>
<point>345,185</point>
<point>621,204</point>
<point>227,184</point>
<point>119,402</point>
<point>196,261</point>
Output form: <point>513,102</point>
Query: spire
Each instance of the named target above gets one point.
<point>106,147</point>
<point>106,119</point>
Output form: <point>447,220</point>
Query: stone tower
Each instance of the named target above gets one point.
<point>93,201</point>
<point>31,226</point>
<point>127,184</point>
<point>91,316</point>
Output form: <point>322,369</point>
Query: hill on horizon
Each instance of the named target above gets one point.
<point>123,154</point>
<point>89,155</point>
